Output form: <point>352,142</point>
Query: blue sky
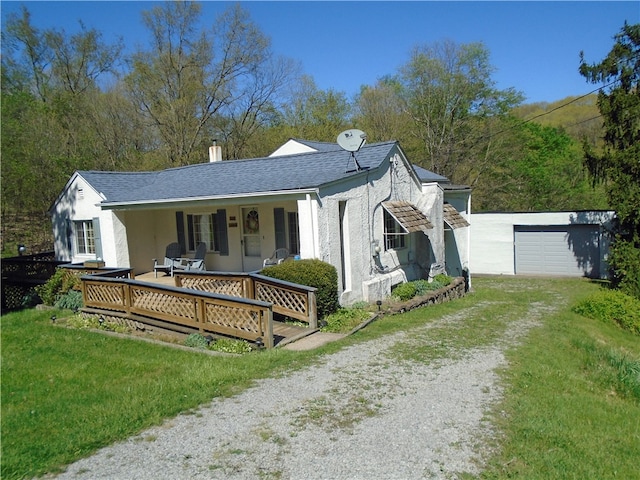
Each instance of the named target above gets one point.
<point>534,46</point>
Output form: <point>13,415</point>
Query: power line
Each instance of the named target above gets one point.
<point>571,101</point>
<point>584,121</point>
<point>523,122</point>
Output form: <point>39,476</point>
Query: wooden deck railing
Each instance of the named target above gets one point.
<point>197,309</point>
<point>289,299</point>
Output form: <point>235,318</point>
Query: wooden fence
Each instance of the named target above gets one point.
<point>196,309</point>
<point>289,299</point>
<point>20,275</point>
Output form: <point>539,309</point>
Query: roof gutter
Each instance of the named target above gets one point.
<point>158,204</point>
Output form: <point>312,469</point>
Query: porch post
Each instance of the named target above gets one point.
<point>308,226</point>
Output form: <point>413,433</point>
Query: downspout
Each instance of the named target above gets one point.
<point>469,243</point>
<point>377,265</point>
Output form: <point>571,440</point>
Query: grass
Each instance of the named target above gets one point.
<point>571,407</point>
<point>66,393</point>
<point>572,403</point>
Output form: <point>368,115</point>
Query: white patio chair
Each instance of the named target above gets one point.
<point>277,257</point>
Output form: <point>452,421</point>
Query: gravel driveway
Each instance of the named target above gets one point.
<point>364,413</point>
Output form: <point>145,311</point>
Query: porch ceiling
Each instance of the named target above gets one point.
<point>408,216</point>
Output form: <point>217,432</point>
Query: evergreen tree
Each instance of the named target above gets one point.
<point>619,164</point>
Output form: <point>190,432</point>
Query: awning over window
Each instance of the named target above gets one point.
<point>453,218</point>
<point>408,216</point>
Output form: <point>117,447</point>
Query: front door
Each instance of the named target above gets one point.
<point>251,252</point>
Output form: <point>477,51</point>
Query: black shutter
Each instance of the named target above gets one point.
<point>190,235</point>
<point>180,230</point>
<point>280,229</point>
<point>221,232</point>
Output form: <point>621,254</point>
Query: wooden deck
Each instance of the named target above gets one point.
<point>162,279</point>
<point>283,333</point>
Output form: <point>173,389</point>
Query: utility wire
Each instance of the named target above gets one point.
<point>551,111</point>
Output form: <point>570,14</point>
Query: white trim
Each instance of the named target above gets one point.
<point>169,202</point>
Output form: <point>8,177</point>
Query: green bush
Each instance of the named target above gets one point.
<point>72,300</point>
<point>313,273</point>
<point>196,340</point>
<point>60,283</point>
<point>417,288</point>
<point>422,287</point>
<point>345,319</point>
<point>624,259</point>
<point>404,291</point>
<point>228,345</point>
<point>443,280</point>
<point>612,306</point>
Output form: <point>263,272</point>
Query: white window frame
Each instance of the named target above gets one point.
<point>84,235</point>
<point>198,235</point>
<point>394,233</point>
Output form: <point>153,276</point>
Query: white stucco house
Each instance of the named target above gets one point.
<point>373,215</point>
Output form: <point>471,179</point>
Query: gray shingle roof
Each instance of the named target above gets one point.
<point>236,177</point>
<point>427,176</point>
<point>320,146</point>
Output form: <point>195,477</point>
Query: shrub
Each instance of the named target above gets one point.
<point>72,300</point>
<point>60,283</point>
<point>612,306</point>
<point>196,340</point>
<point>442,279</point>
<point>404,291</point>
<point>345,319</point>
<point>625,260</point>
<point>228,345</point>
<point>313,273</point>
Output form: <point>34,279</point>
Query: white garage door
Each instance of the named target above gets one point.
<point>572,250</point>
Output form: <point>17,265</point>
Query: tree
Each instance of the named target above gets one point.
<point>446,88</point>
<point>50,81</point>
<point>380,112</point>
<point>538,168</point>
<point>313,113</point>
<point>619,165</point>
<point>193,87</point>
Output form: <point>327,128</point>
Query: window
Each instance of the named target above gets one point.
<point>85,237</point>
<point>286,230</point>
<point>210,228</point>
<point>393,233</point>
<point>201,229</point>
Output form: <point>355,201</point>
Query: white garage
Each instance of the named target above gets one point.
<point>550,243</point>
<point>572,250</point>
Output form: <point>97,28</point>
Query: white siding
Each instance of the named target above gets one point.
<point>553,243</point>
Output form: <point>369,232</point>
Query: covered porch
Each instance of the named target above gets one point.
<point>239,235</point>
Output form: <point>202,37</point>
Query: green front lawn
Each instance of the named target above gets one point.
<point>571,408</point>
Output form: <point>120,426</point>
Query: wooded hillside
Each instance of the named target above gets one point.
<point>74,102</point>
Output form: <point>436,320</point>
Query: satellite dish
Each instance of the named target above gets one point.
<point>352,140</point>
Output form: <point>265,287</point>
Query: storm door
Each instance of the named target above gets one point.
<point>251,253</point>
